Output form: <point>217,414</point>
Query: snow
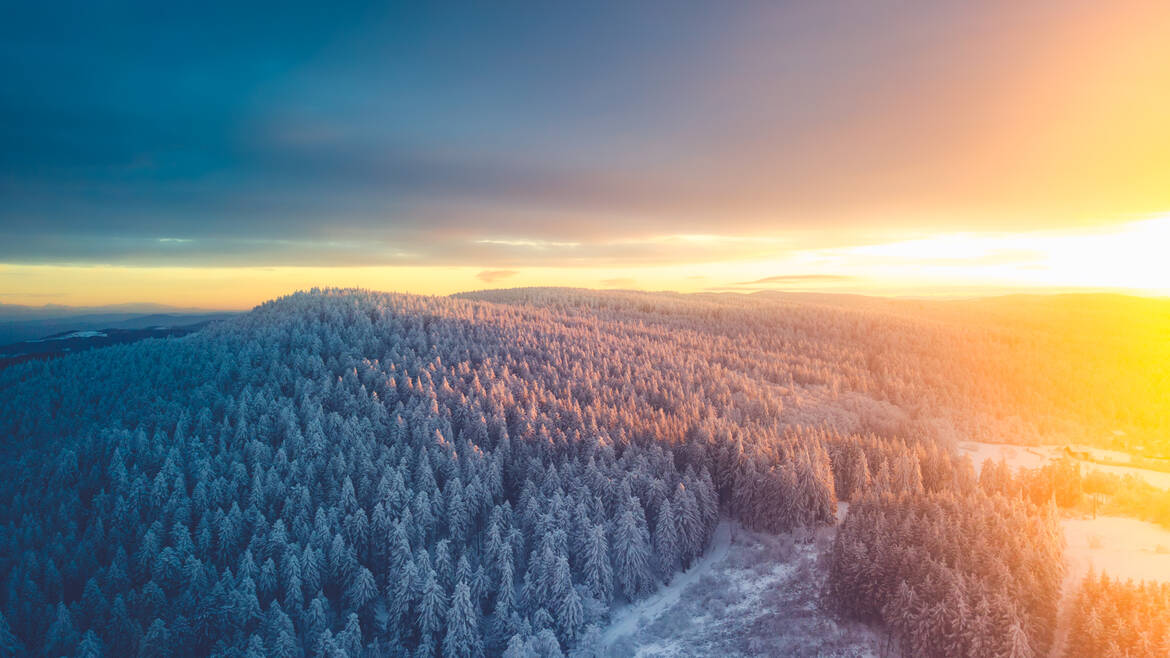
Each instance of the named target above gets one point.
<point>1157,479</point>
<point>80,334</point>
<point>1037,456</point>
<point>1015,456</point>
<point>752,594</point>
<point>649,609</point>
<point>655,649</point>
<point>1104,455</point>
<point>1121,547</point>
<point>1118,546</point>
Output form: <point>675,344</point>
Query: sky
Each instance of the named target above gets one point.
<point>219,155</point>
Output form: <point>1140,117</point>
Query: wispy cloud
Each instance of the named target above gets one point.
<point>797,278</point>
<point>491,276</point>
<point>534,244</point>
<point>619,282</point>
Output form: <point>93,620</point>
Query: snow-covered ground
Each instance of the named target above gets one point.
<point>629,618</point>
<point>1120,547</point>
<point>1036,456</point>
<point>753,594</point>
<point>81,334</point>
<point>1015,456</point>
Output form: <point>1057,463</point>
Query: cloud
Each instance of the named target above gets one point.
<point>620,282</point>
<point>797,278</point>
<point>506,161</point>
<point>491,276</point>
<point>782,280</point>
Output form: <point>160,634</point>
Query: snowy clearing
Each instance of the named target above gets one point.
<point>1118,546</point>
<point>81,334</point>
<point>755,594</point>
<point>1037,456</point>
<point>629,618</point>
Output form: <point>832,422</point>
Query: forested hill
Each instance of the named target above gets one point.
<point>339,472</point>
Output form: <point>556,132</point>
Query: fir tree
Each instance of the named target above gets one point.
<point>463,638</point>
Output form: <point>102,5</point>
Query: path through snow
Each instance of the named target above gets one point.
<point>628,619</point>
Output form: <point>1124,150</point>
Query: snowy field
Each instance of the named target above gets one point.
<point>1123,548</point>
<point>1120,547</point>
<point>753,594</point>
<point>1036,456</point>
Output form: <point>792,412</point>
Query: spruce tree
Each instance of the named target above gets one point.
<point>463,638</point>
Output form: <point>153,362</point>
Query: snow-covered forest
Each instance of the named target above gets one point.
<point>344,472</point>
<point>1114,618</point>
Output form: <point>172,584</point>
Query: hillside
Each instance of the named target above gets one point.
<point>27,323</point>
<point>73,341</point>
<point>339,472</point>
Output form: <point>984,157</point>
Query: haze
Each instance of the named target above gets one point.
<point>221,156</point>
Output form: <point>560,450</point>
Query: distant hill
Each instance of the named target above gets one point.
<point>81,337</point>
<point>13,312</point>
<point>30,328</point>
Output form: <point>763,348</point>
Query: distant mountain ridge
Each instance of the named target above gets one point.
<point>13,312</point>
<point>86,333</point>
<point>13,331</point>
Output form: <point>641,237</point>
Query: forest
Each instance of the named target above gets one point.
<point>344,472</point>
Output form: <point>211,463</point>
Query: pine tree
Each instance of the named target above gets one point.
<point>157,641</point>
<point>570,615</point>
<point>90,647</point>
<point>545,645</point>
<point>631,554</point>
<point>9,644</point>
<point>518,648</point>
<point>590,645</point>
<point>598,572</point>
<point>350,638</point>
<point>432,608</point>
<point>256,648</point>
<point>316,618</point>
<point>463,638</point>
<point>62,637</point>
<point>362,590</point>
<point>666,541</point>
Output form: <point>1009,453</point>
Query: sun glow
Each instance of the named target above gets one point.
<point>1125,257</point>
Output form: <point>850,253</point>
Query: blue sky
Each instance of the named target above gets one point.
<point>512,135</point>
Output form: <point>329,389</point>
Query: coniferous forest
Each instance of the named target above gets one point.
<point>344,472</point>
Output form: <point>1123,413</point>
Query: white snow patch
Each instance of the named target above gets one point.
<point>1037,456</point>
<point>754,594</point>
<point>661,649</point>
<point>750,585</point>
<point>842,511</point>
<point>81,334</point>
<point>628,619</point>
<point>1015,456</point>
<point>1118,546</point>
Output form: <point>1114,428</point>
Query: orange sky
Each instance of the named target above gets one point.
<point>1126,258</point>
<point>952,148</point>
